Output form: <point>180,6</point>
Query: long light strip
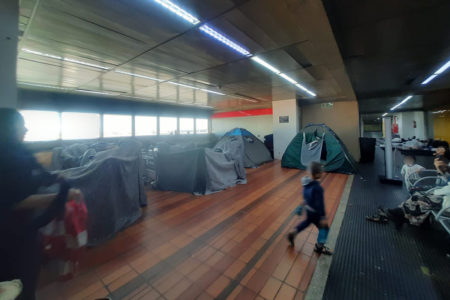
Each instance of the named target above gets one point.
<point>183,85</point>
<point>41,54</point>
<point>44,86</point>
<point>223,39</point>
<point>437,72</point>
<point>97,92</point>
<point>384,115</point>
<point>228,42</point>
<point>63,58</point>
<point>213,92</point>
<point>401,103</point>
<point>137,75</point>
<point>179,11</point>
<point>265,64</point>
<point>85,63</point>
<point>439,111</point>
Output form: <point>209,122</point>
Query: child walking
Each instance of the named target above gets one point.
<point>315,209</point>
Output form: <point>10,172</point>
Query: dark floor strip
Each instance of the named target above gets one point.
<point>165,266</point>
<point>235,282</point>
<point>374,261</point>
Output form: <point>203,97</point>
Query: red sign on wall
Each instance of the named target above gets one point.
<point>243,113</point>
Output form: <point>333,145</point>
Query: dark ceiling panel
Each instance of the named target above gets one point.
<point>389,47</point>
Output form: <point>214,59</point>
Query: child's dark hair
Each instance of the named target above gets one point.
<point>413,157</point>
<point>315,168</point>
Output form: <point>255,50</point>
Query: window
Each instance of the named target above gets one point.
<point>75,126</point>
<point>41,125</point>
<point>201,126</point>
<point>168,125</point>
<point>116,125</point>
<point>186,126</point>
<point>144,125</point>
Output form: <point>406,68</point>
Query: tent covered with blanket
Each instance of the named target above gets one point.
<point>255,152</point>
<point>111,181</point>
<point>317,142</point>
<point>198,170</point>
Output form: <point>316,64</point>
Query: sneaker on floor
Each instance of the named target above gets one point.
<point>322,249</point>
<point>291,238</point>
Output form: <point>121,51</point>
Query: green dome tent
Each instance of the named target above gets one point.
<point>335,156</point>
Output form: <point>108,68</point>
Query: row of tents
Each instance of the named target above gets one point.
<point>209,170</point>
<point>112,175</point>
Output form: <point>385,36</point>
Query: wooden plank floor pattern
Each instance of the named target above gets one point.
<point>228,245</point>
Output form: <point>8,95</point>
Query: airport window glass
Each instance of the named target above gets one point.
<point>41,125</point>
<point>201,126</point>
<point>168,125</point>
<point>145,125</point>
<point>75,126</point>
<point>186,126</point>
<point>116,125</point>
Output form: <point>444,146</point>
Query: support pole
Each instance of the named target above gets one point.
<point>9,32</point>
<point>388,147</point>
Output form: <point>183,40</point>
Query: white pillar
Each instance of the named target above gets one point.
<point>286,124</point>
<point>388,147</point>
<point>9,32</point>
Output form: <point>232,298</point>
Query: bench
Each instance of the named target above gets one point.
<point>443,217</point>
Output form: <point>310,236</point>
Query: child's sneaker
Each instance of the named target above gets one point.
<point>322,249</point>
<point>291,238</point>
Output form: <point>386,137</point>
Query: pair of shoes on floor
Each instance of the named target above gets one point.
<point>322,249</point>
<point>377,219</point>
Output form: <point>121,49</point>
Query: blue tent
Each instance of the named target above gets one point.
<point>254,151</point>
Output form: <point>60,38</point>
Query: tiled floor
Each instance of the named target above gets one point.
<point>228,245</point>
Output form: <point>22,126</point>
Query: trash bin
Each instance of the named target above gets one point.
<point>367,147</point>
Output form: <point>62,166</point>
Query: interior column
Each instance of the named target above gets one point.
<point>9,32</point>
<point>286,124</point>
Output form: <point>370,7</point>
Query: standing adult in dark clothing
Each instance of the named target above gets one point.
<point>22,210</point>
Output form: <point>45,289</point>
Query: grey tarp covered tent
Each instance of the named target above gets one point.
<point>255,152</point>
<point>113,189</point>
<point>199,170</point>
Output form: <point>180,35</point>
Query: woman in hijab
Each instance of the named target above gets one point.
<point>20,178</point>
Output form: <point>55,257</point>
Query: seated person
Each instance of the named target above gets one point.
<point>410,170</point>
<point>442,152</point>
<point>416,209</point>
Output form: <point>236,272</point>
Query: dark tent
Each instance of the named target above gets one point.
<point>255,152</point>
<point>199,170</point>
<point>113,187</point>
<point>333,154</point>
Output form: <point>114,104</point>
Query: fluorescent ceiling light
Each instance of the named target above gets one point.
<point>183,85</point>
<point>137,75</point>
<point>223,39</point>
<point>179,11</point>
<point>435,74</point>
<point>44,86</point>
<point>305,89</point>
<point>384,115</point>
<point>85,63</point>
<point>265,64</point>
<point>41,54</point>
<point>403,102</point>
<point>195,88</point>
<point>96,92</point>
<point>439,111</point>
<point>276,71</point>
<point>213,92</point>
<point>429,79</point>
<point>64,58</point>
<point>443,68</point>
<point>288,78</point>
